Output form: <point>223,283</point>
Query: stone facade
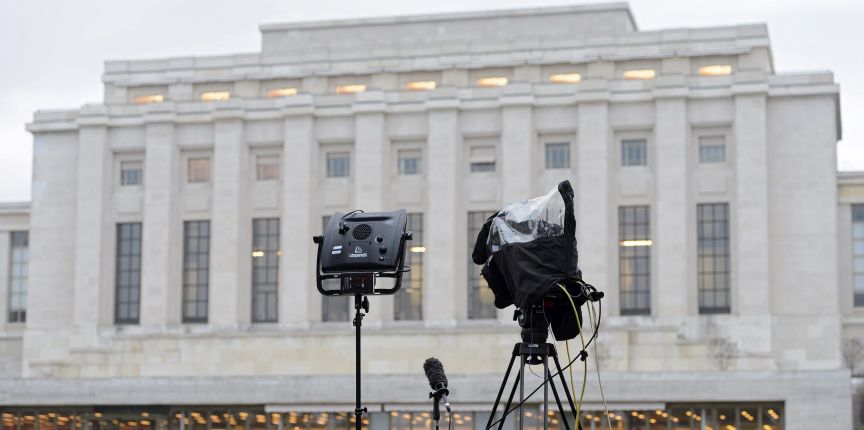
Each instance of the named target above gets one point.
<point>778,177</point>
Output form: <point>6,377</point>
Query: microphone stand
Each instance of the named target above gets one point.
<point>436,409</point>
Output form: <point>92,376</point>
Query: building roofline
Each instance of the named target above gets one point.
<point>450,16</point>
<point>14,208</point>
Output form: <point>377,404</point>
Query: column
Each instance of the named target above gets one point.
<point>518,145</point>
<point>370,173</point>
<point>670,288</point>
<point>445,280</point>
<point>93,230</point>
<point>749,221</point>
<point>231,228</point>
<point>5,260</point>
<point>298,302</point>
<point>160,249</point>
<point>594,211</point>
<point>518,149</point>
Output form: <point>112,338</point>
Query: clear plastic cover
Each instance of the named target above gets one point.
<point>526,221</point>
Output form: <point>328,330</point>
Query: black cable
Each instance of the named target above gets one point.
<point>352,212</point>
<point>551,376</point>
<point>449,420</point>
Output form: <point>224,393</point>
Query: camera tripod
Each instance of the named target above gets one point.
<point>531,353</point>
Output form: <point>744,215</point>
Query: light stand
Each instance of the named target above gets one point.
<point>361,302</point>
<point>360,248</point>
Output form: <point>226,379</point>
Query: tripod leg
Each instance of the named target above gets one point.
<point>560,406</point>
<point>546,392</point>
<point>516,384</point>
<point>566,390</point>
<point>500,392</point>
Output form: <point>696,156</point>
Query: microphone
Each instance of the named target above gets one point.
<point>437,379</point>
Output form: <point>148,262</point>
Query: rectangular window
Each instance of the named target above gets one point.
<point>198,170</point>
<point>338,165</point>
<point>712,149</point>
<point>858,254</point>
<point>265,269</point>
<point>127,298</point>
<point>409,162</point>
<point>334,308</point>
<point>19,267</point>
<point>267,167</point>
<point>482,159</point>
<point>634,259</point>
<point>558,155</point>
<point>409,300</point>
<point>131,173</point>
<point>713,255</point>
<point>634,152</point>
<point>481,301</point>
<point>196,270</point>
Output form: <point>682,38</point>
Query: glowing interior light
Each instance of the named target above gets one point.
<point>215,96</point>
<point>630,243</point>
<point>418,249</point>
<point>150,98</point>
<point>350,88</point>
<point>715,70</point>
<point>639,74</point>
<point>281,92</point>
<point>493,81</point>
<point>257,254</point>
<point>565,78</point>
<point>421,85</point>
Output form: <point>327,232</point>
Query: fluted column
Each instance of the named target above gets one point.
<point>370,173</point>
<point>445,285</point>
<point>160,251</point>
<point>231,228</point>
<point>299,302</point>
<point>670,288</point>
<point>93,226</point>
<point>594,211</point>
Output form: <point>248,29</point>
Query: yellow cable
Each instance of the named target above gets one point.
<point>584,362</point>
<point>591,318</point>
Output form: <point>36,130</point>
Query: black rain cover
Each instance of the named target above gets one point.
<point>528,247</point>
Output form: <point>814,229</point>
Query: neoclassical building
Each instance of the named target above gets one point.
<point>162,275</point>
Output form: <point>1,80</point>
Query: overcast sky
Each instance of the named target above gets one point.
<point>52,51</point>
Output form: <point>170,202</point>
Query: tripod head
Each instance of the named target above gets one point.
<point>535,327</point>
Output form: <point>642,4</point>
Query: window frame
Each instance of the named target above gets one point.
<point>133,252</point>
<point>268,288</point>
<point>624,152</point>
<point>481,163</point>
<point>334,308</point>
<point>333,155</point>
<point>122,170</point>
<point>188,167</point>
<point>700,146</point>
<point>273,156</point>
<point>188,254</point>
<point>19,261</point>
<point>637,256</point>
<point>477,310</point>
<point>546,155</point>
<point>412,286</point>
<point>406,154</point>
<point>702,272</point>
<point>857,211</point>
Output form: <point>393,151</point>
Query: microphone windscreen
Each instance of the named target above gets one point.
<point>434,372</point>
